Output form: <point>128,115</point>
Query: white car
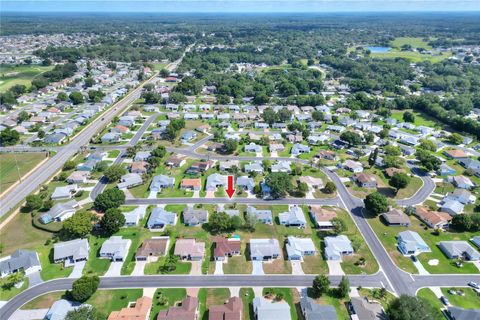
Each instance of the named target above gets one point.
<point>474,285</point>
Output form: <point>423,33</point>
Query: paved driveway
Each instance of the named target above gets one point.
<point>297,267</point>
<point>34,279</point>
<point>257,268</point>
<point>420,268</point>
<point>139,267</point>
<point>335,268</point>
<point>33,314</point>
<point>114,269</point>
<point>218,267</point>
<point>196,268</point>
<point>77,269</point>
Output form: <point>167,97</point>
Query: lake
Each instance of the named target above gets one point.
<point>378,49</point>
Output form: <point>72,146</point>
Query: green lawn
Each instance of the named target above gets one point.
<point>96,265</point>
<point>9,174</point>
<point>247,295</point>
<point>414,42</point>
<point>387,236</point>
<point>12,75</point>
<point>12,292</point>
<point>113,153</point>
<point>470,300</point>
<point>420,119</point>
<point>173,296</point>
<point>412,56</point>
<point>432,299</point>
<point>114,300</point>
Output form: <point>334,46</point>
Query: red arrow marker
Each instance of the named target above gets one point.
<point>230,190</point>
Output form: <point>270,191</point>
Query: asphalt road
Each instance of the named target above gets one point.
<point>286,201</point>
<point>54,164</point>
<point>221,281</point>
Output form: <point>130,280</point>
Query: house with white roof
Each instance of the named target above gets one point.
<point>71,251</point>
<point>297,248</point>
<point>336,247</point>
<point>264,249</point>
<point>159,218</point>
<point>410,242</point>
<point>293,218</point>
<point>115,248</point>
<point>269,310</point>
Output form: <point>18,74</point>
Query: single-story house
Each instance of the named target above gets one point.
<point>130,180</point>
<point>293,218</point>
<point>226,247</point>
<point>298,149</point>
<point>139,310</point>
<point>71,251</point>
<point>297,248</point>
<point>194,217</point>
<point>433,219</point>
<point>25,261</point>
<point>215,181</point>
<point>252,147</point>
<point>365,180</point>
<point>336,247</point>
<point>60,212</point>
<point>314,311</point>
<point>191,184</point>
<point>461,195</point>
<point>187,310</point>
<point>132,218</point>
<point>264,249</point>
<point>115,248</point>
<point>410,242</point>
<point>254,167</point>
<point>189,249</point>
<point>246,183</point>
<point>452,207</point>
<point>142,156</point>
<point>175,161</point>
<point>457,313</point>
<point>462,182</point>
<point>159,218</point>
<point>282,166</point>
<point>265,309</point>
<point>139,167</point>
<point>396,217</point>
<point>110,137</point>
<point>263,216</point>
<point>65,192</point>
<point>459,250</point>
<point>160,182</point>
<point>322,217</point>
<point>353,166</point>
<point>154,247</point>
<point>78,177</point>
<point>232,309</point>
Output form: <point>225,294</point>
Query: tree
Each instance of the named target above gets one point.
<point>339,225</point>
<point>318,115</point>
<point>18,89</point>
<point>34,202</point>
<point>76,97</point>
<point>11,280</point>
<point>408,117</point>
<point>164,72</point>
<point>219,222</point>
<point>159,152</point>
<point>177,97</point>
<point>330,187</point>
<point>321,285</point>
<point>390,150</point>
<point>427,160</point>
<point>428,145</point>
<point>230,145</point>
<point>112,221</point>
<point>84,287</point>
<point>373,157</point>
<point>9,137</point>
<point>376,203</point>
<point>343,287</point>
<point>23,116</point>
<point>411,308</point>
<point>111,198</point>
<point>69,165</point>
<point>399,180</point>
<point>115,172</point>
<point>78,226</point>
<point>455,138</point>
<point>85,313</point>
<point>62,96</point>
<point>279,183</point>
<point>352,138</point>
<point>89,82</point>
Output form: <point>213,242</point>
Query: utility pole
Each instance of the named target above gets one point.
<point>16,165</point>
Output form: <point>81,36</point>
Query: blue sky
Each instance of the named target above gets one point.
<point>238,5</point>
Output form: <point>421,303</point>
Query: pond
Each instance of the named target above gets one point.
<point>378,49</point>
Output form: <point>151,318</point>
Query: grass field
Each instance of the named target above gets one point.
<point>414,42</point>
<point>469,301</point>
<point>12,75</point>
<point>8,168</point>
<point>428,295</point>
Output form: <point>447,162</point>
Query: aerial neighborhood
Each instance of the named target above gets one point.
<point>203,171</point>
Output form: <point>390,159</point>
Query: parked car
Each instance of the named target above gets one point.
<point>474,285</point>
<point>452,292</point>
<point>445,300</point>
<point>414,258</point>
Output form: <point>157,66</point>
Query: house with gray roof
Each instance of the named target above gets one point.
<point>264,249</point>
<point>293,218</point>
<point>160,182</point>
<point>336,247</point>
<point>298,149</point>
<point>476,241</point>
<point>459,250</point>
<point>188,135</point>
<point>132,218</point>
<point>253,147</point>
<point>65,192</point>
<point>60,308</point>
<point>282,166</point>
<point>297,248</point>
<point>457,313</point>
<point>60,212</point>
<point>263,216</point>
<point>269,310</point>
<point>246,183</point>
<point>364,309</point>
<point>115,248</point>
<point>20,261</point>
<point>314,311</point>
<point>130,180</point>
<point>110,137</point>
<point>215,181</point>
<point>452,207</point>
<point>410,242</point>
<point>142,156</point>
<point>193,217</point>
<point>71,251</point>
<point>254,167</point>
<point>461,195</point>
<point>159,218</point>
<point>54,138</point>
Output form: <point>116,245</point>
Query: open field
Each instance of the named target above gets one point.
<point>12,75</point>
<point>414,42</point>
<point>8,166</point>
